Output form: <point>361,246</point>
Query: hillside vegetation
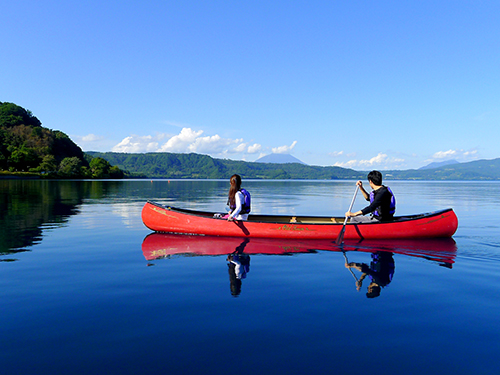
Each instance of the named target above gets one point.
<point>26,147</point>
<point>487,170</point>
<point>171,165</point>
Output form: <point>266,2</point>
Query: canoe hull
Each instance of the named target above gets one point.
<point>173,220</point>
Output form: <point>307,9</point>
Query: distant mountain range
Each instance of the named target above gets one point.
<point>279,159</point>
<point>439,164</point>
<point>474,170</point>
<point>170,165</point>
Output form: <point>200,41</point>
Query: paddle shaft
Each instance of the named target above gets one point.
<point>340,238</point>
<point>352,203</point>
<point>347,262</point>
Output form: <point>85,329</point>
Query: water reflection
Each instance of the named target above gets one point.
<point>238,267</point>
<point>379,270</point>
<point>28,207</point>
<point>442,251</point>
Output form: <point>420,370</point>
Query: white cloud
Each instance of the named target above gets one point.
<point>471,153</point>
<point>246,149</point>
<point>242,147</point>
<point>380,161</point>
<point>136,143</point>
<point>181,142</point>
<point>346,164</point>
<point>284,149</point>
<point>91,138</point>
<point>444,154</point>
<point>455,154</point>
<point>376,160</point>
<point>336,153</point>
<point>253,149</point>
<point>92,142</point>
<point>188,140</point>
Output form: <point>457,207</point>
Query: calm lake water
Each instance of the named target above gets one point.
<point>85,288</point>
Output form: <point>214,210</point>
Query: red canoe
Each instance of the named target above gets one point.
<point>161,245</point>
<point>168,219</point>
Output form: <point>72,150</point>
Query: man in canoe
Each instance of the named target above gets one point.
<point>382,202</point>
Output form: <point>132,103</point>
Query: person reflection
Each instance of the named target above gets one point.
<point>381,270</point>
<point>238,267</point>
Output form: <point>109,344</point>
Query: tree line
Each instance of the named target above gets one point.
<point>28,147</point>
<point>176,165</point>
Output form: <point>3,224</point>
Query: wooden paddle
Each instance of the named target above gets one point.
<point>340,238</point>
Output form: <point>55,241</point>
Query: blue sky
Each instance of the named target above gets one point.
<point>358,84</point>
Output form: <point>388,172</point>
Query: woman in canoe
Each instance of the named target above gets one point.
<point>382,202</point>
<point>238,200</point>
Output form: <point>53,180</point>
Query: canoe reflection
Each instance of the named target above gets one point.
<point>380,268</point>
<point>159,245</point>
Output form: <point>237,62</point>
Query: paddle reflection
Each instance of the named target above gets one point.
<point>377,272</point>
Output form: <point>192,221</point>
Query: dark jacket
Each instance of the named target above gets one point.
<point>381,204</point>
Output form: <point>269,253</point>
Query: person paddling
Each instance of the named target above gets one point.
<point>382,201</point>
<point>238,200</point>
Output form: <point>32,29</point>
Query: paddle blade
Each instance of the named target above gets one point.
<point>340,238</point>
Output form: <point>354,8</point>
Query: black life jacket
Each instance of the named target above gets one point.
<point>392,207</point>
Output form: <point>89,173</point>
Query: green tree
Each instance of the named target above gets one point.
<point>48,164</point>
<point>12,115</point>
<point>70,167</point>
<point>3,150</point>
<point>99,168</point>
<point>23,158</point>
<point>115,172</point>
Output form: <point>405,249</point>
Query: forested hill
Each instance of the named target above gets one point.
<point>170,165</point>
<point>29,149</point>
<point>471,171</point>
